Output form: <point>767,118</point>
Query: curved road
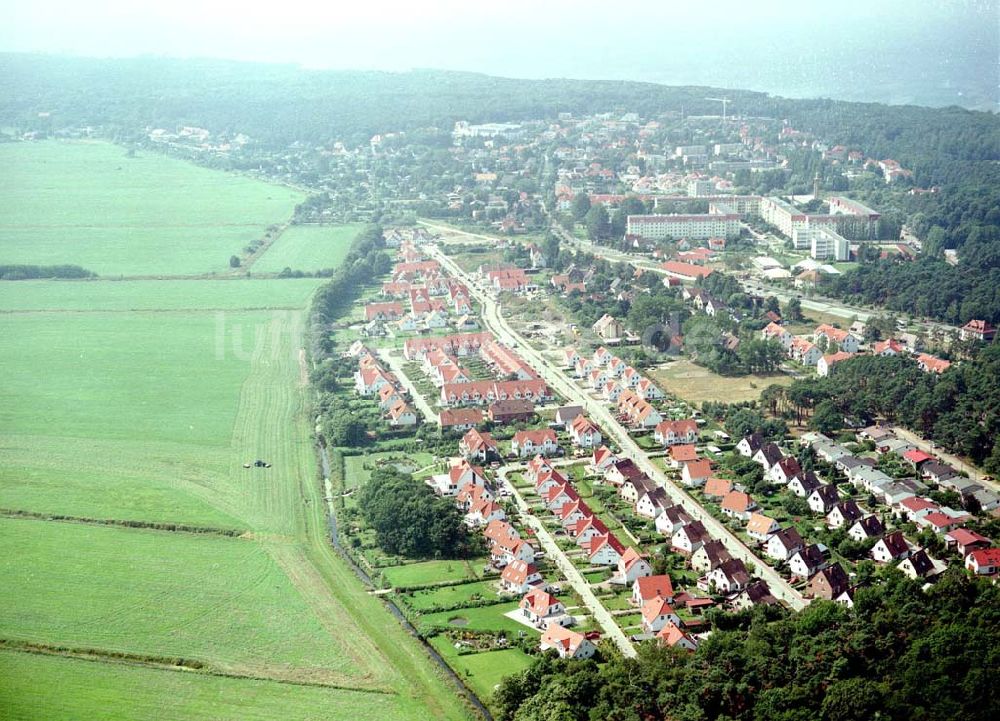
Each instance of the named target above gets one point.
<point>497,324</point>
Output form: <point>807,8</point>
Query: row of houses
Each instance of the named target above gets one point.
<point>609,375</point>
<point>846,345</point>
<point>687,536</point>
<point>372,380</point>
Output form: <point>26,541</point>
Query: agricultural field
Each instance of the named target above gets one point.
<point>86,203</point>
<point>57,688</point>
<point>197,596</point>
<point>695,384</point>
<point>163,295</point>
<point>308,248</point>
<point>138,403</point>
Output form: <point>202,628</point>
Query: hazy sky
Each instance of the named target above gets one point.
<point>883,48</point>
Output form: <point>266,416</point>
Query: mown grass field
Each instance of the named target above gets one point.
<point>127,295</point>
<point>695,384</point>
<point>452,595</point>
<point>424,572</point>
<point>86,203</point>
<point>482,671</point>
<point>308,248</point>
<point>141,401</point>
<point>56,688</point>
<point>220,600</point>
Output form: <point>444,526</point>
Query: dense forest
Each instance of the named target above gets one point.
<point>900,654</point>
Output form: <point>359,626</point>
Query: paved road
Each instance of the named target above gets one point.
<point>395,363</point>
<point>497,324</point>
<point>974,473</point>
<point>600,614</point>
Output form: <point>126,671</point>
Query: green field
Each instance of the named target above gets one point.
<point>55,688</point>
<point>484,618</point>
<point>87,204</point>
<point>140,401</point>
<point>355,473</point>
<point>123,295</point>
<point>308,248</point>
<point>482,671</point>
<point>424,572</point>
<point>451,595</point>
<point>205,597</point>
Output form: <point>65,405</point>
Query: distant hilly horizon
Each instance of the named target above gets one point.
<point>844,83</point>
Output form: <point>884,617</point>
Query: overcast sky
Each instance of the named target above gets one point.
<point>803,47</point>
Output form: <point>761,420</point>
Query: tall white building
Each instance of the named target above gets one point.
<point>694,227</point>
<point>827,244</point>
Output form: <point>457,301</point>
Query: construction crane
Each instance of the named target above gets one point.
<point>725,102</point>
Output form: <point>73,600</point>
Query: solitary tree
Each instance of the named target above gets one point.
<point>234,261</point>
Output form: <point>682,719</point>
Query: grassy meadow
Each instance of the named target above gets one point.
<point>86,203</point>
<point>56,688</point>
<point>308,248</point>
<point>134,295</point>
<point>694,383</point>
<point>139,401</point>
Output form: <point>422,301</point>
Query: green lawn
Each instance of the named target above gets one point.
<point>485,618</point>
<point>451,595</point>
<point>308,248</point>
<point>87,204</point>
<point>356,474</point>
<point>424,572</point>
<point>121,295</point>
<point>64,689</point>
<point>220,600</point>
<point>482,671</point>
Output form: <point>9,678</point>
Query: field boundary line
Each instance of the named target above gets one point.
<point>121,523</point>
<point>163,663</point>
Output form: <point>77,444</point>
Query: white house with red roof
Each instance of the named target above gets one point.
<point>497,531</point>
<point>506,551</point>
<point>773,331</point>
<point>604,550</point>
<point>584,433</point>
<point>631,566</point>
<point>845,340</point>
<point>696,473</point>
<point>484,511</point>
<point>761,527</point>
<point>669,433</point>
<point>541,608</point>
<point>646,588</point>
<point>558,496</point>
<point>520,577</point>
<point>548,479</point>
<point>966,541</point>
<point>737,504</point>
<point>536,441</point>
<point>984,562</point>
<point>978,330</point>
<point>656,613</point>
<point>460,472</point>
<point>602,459</point>
<point>672,636</point>
<point>567,643</point>
<point>477,446</point>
